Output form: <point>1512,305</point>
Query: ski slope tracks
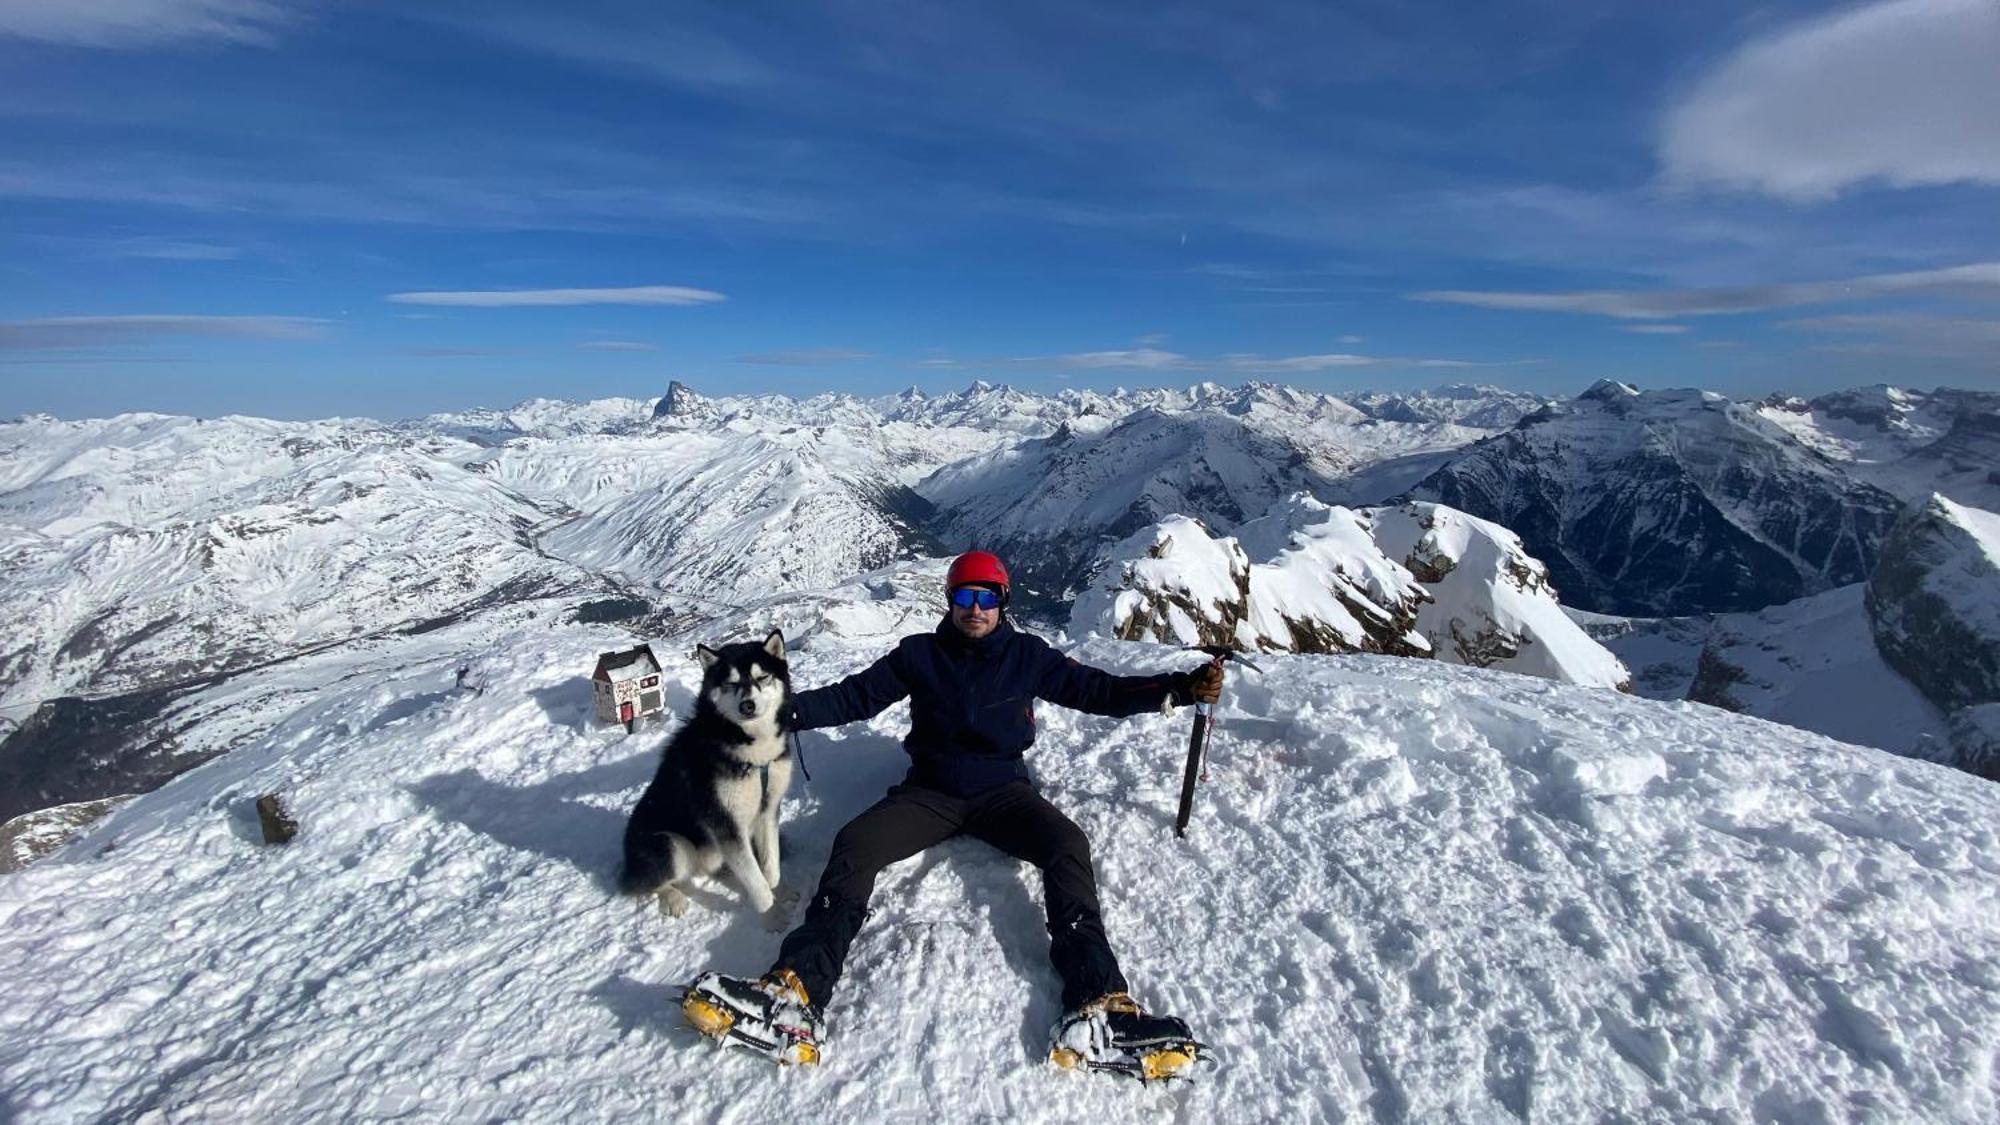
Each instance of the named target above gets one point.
<point>1410,890</point>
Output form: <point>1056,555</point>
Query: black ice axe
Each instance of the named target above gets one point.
<point>1219,654</point>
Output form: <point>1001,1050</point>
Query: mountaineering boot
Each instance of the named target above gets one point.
<point>771,1015</point>
<point>1113,1033</point>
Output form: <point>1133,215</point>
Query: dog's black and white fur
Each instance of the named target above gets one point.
<point>714,801</point>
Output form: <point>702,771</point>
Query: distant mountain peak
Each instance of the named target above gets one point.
<point>1609,390</point>
<point>681,401</point>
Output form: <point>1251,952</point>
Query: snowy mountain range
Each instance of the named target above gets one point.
<point>163,563</point>
<point>1670,502</point>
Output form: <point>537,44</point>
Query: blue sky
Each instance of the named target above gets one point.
<point>299,209</point>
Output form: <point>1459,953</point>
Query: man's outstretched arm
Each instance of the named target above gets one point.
<point>1073,684</point>
<point>863,695</point>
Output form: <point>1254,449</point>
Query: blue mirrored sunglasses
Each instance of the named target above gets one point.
<point>965,597</point>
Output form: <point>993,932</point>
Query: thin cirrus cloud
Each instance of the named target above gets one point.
<point>1661,304</point>
<point>100,331</point>
<point>1655,329</point>
<point>677,52</point>
<point>1154,359</point>
<point>1916,334</point>
<point>538,298</point>
<point>805,357</point>
<point>174,250</point>
<point>456,353</point>
<point>121,24</point>
<point>1149,359</point>
<point>1901,92</point>
<point>618,346</point>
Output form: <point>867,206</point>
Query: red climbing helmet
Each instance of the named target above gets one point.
<point>981,567</point>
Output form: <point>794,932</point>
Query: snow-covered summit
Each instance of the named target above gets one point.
<point>1460,895</point>
<point>1414,580</point>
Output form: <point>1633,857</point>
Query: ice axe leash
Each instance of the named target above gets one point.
<point>1199,737</point>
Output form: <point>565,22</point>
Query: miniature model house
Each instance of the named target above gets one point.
<point>627,686</point>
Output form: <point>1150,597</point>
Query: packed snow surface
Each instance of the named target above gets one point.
<point>1410,890</point>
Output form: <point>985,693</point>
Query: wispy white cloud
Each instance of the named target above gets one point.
<point>1654,329</point>
<point>1640,304</point>
<point>1349,339</point>
<point>1154,359</point>
<point>1232,271</point>
<point>145,23</point>
<point>1327,362</point>
<point>1908,334</point>
<point>1899,91</point>
<point>553,184</point>
<point>618,346</point>
<point>673,50</point>
<point>97,331</point>
<point>456,353</point>
<point>521,298</point>
<point>174,250</point>
<point>805,357</point>
<point>1148,359</point>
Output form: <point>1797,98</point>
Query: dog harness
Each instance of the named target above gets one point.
<point>743,769</point>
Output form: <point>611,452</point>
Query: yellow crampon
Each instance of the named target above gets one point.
<point>1169,1063</point>
<point>711,1020</point>
<point>1157,1058</point>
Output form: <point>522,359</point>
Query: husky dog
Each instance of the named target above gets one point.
<point>714,801</point>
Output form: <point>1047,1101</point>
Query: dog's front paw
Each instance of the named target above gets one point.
<point>778,918</point>
<point>672,902</point>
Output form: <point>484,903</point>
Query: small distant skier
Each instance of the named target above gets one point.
<point>972,684</point>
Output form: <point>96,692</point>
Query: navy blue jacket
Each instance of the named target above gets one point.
<point>972,702</point>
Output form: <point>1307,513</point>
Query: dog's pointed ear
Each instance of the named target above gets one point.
<point>775,645</point>
<point>707,656</point>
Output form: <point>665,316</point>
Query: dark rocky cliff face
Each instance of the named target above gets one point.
<point>1931,603</point>
<point>74,749</point>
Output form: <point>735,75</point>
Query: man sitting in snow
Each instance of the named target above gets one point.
<point>972,685</point>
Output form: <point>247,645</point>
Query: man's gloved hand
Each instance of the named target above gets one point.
<point>1205,683</point>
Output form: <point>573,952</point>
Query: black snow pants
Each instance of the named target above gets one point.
<point>1014,818</point>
